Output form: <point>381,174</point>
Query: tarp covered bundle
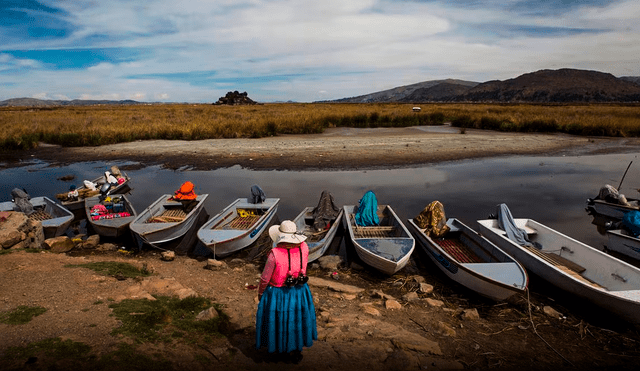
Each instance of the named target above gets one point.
<point>325,212</point>
<point>21,199</point>
<point>432,218</point>
<point>610,194</point>
<point>257,195</point>
<point>367,214</point>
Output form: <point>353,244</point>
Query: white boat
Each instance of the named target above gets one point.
<point>165,221</point>
<point>573,266</point>
<point>624,243</point>
<point>610,209</point>
<point>113,224</point>
<point>318,241</point>
<point>55,218</point>
<point>386,247</point>
<point>473,261</point>
<point>237,226</point>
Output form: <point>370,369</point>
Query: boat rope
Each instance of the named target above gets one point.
<point>536,331</point>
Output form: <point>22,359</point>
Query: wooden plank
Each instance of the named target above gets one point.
<point>458,250</point>
<point>240,223</point>
<point>40,215</point>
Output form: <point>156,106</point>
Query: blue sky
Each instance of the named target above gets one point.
<point>304,50</point>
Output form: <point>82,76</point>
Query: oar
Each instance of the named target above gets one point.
<point>625,174</point>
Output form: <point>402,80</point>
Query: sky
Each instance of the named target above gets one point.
<point>304,50</point>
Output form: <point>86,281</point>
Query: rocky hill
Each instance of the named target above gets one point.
<point>33,102</point>
<point>433,88</point>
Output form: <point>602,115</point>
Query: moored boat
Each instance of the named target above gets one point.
<point>238,225</point>
<point>472,260</point>
<point>54,217</point>
<point>123,186</point>
<point>621,241</point>
<point>571,265</point>
<point>387,246</point>
<point>165,220</point>
<point>318,241</point>
<point>113,219</point>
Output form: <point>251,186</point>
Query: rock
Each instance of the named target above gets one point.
<point>471,314</point>
<point>399,360</point>
<point>410,296</point>
<point>91,242</point>
<point>434,302</point>
<point>10,238</point>
<point>207,314</point>
<point>356,267</point>
<point>335,286</point>
<point>60,244</point>
<point>349,296</point>
<point>425,288</point>
<point>237,261</point>
<point>107,247</point>
<point>419,279</point>
<point>382,295</point>
<point>168,256</point>
<point>330,262</point>
<point>214,264</point>
<point>392,304</point>
<point>445,329</point>
<point>371,310</point>
<point>551,312</point>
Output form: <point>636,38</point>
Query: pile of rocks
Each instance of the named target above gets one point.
<point>235,98</point>
<point>17,231</point>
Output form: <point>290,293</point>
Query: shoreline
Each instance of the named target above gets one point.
<point>335,149</point>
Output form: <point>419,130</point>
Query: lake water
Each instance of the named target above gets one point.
<point>551,190</point>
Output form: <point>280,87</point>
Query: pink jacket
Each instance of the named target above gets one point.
<point>277,266</point>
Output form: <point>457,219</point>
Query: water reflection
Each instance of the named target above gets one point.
<point>551,190</point>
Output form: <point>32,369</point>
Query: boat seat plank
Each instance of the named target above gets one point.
<point>40,215</point>
<point>458,250</point>
<point>240,223</point>
<point>374,232</point>
<point>169,216</point>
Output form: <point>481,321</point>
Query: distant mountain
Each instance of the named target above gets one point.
<point>401,93</point>
<point>544,86</point>
<point>33,102</point>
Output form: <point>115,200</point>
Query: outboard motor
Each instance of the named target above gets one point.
<point>104,191</point>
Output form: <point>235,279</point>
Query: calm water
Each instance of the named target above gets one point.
<point>552,190</point>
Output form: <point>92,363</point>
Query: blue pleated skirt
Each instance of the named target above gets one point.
<point>286,319</point>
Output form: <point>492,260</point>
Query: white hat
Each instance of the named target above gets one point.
<point>286,232</point>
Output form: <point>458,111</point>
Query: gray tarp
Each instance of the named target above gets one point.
<point>506,222</point>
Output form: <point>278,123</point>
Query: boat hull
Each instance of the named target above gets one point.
<point>116,227</point>
<point>226,232</point>
<point>160,233</point>
<point>623,243</point>
<point>317,247</point>
<point>388,253</point>
<point>60,219</point>
<point>493,274</point>
<point>574,267</point>
<point>608,209</point>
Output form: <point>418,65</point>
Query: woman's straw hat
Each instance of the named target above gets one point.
<point>286,232</point>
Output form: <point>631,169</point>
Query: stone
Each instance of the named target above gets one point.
<point>207,314</point>
<point>330,262</point>
<point>382,295</point>
<point>551,312</point>
<point>392,305</point>
<point>214,264</point>
<point>419,279</point>
<point>10,238</point>
<point>371,310</point>
<point>426,288</point>
<point>471,314</point>
<point>107,247</point>
<point>356,267</point>
<point>434,302</point>
<point>410,296</point>
<point>91,242</point>
<point>445,329</point>
<point>60,244</point>
<point>335,286</point>
<point>168,256</point>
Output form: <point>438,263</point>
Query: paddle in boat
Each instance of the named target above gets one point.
<point>54,217</point>
<point>169,218</point>
<point>239,224</point>
<point>465,256</point>
<point>567,263</point>
<point>320,224</point>
<point>378,236</point>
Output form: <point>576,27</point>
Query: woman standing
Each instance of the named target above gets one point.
<point>286,317</point>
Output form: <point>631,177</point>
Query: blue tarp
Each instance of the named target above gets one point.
<point>367,214</point>
<point>631,220</point>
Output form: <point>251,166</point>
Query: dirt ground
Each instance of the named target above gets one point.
<point>436,331</point>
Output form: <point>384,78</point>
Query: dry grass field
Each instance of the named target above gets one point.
<point>24,127</point>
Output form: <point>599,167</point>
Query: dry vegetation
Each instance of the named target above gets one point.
<point>24,127</point>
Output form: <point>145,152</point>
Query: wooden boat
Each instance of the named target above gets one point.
<point>165,221</point>
<point>624,243</point>
<point>609,209</point>
<point>574,267</point>
<point>54,217</point>
<point>84,192</point>
<point>386,247</point>
<point>114,226</point>
<point>318,242</point>
<point>237,226</point>
<point>473,261</point>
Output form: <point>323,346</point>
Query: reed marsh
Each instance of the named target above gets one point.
<point>24,127</point>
